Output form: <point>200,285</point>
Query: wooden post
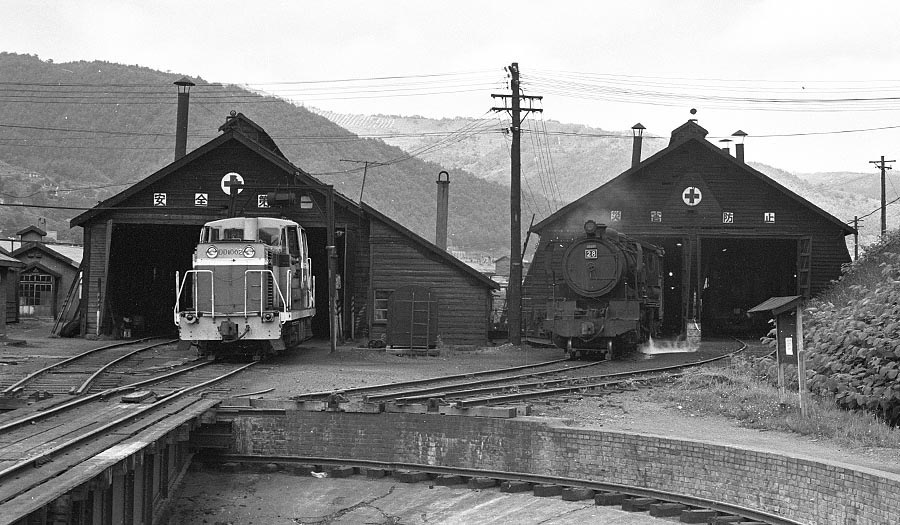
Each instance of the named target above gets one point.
<point>5,274</point>
<point>801,365</point>
<point>778,360</point>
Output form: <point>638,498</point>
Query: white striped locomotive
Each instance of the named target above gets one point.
<point>251,289</point>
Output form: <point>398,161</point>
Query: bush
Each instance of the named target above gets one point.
<point>852,335</point>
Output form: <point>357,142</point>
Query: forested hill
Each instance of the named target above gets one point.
<point>72,134</point>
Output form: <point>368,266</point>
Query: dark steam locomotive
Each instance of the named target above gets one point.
<point>605,293</point>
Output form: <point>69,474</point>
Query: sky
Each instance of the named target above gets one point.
<point>814,84</point>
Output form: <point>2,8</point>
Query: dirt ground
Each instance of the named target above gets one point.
<point>314,369</point>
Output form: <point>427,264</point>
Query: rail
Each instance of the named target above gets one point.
<point>87,382</point>
<point>18,384</point>
<point>179,288</point>
<point>284,305</point>
<point>747,514</point>
<point>181,282</point>
<point>104,428</point>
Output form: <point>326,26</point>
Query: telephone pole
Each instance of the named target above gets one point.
<point>366,164</point>
<point>514,288</point>
<point>881,164</point>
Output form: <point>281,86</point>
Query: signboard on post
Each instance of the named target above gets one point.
<point>789,335</point>
<point>786,328</point>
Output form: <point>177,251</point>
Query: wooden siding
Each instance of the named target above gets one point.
<point>358,280</point>
<point>464,306</point>
<point>95,273</point>
<point>626,203</point>
<point>204,175</point>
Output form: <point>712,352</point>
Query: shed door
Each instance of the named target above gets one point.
<point>804,266</point>
<point>412,318</point>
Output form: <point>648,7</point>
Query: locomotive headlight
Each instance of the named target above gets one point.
<point>268,317</point>
<point>249,251</point>
<point>590,227</point>
<point>212,252</point>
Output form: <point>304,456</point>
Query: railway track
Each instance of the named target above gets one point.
<point>656,503</point>
<point>506,386</point>
<point>39,446</point>
<point>96,369</point>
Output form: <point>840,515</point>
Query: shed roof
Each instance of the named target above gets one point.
<point>239,128</point>
<point>9,262</point>
<point>693,132</point>
<point>777,305</point>
<point>30,229</point>
<point>430,247</point>
<point>68,254</point>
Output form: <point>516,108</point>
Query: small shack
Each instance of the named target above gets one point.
<point>47,274</point>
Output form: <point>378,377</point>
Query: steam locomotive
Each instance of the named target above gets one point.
<point>251,289</point>
<point>609,299</point>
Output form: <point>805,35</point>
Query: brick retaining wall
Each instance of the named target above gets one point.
<point>795,487</point>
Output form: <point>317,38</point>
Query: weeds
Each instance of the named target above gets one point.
<point>744,391</point>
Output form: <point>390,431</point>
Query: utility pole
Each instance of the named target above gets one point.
<point>514,288</point>
<point>881,164</point>
<point>365,171</point>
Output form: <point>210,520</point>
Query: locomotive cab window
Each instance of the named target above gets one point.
<point>293,242</point>
<point>269,235</point>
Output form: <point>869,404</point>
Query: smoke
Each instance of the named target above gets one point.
<point>675,346</point>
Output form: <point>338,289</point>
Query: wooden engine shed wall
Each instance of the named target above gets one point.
<point>626,204</point>
<point>463,304</point>
<point>203,175</point>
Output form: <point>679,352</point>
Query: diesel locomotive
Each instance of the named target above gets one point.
<point>606,293</point>
<point>251,288</point>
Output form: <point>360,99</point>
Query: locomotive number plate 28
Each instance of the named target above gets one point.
<point>590,253</point>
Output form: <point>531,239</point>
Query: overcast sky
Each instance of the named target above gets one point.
<point>816,70</point>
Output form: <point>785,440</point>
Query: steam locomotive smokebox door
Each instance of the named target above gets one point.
<point>593,268</point>
<point>412,318</point>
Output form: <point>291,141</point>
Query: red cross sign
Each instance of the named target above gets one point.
<point>692,196</point>
<point>232,183</point>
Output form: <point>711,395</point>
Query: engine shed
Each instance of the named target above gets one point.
<point>137,241</point>
<point>732,236</point>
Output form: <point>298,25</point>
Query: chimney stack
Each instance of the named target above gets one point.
<point>726,147</point>
<point>638,131</point>
<point>443,199</point>
<point>181,122</point>
<point>739,147</point>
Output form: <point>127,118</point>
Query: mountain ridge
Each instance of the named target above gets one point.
<point>82,131</point>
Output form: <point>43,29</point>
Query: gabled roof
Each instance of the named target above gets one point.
<point>430,247</point>
<point>30,229</point>
<point>40,268</point>
<point>236,128</point>
<point>8,262</point>
<point>684,134</point>
<point>70,255</point>
<point>239,122</point>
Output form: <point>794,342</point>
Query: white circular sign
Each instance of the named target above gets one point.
<point>232,181</point>
<point>692,196</point>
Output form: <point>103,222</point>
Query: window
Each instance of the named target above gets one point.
<point>32,286</point>
<point>381,305</point>
<point>293,241</point>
